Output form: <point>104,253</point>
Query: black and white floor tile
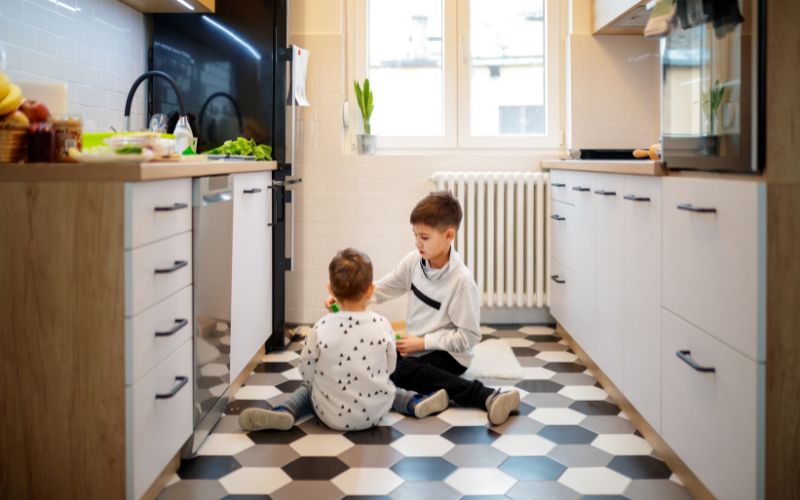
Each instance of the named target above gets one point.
<point>569,441</point>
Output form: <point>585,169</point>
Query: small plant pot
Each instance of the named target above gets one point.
<point>367,144</point>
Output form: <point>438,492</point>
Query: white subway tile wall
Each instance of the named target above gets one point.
<point>347,200</point>
<point>615,92</point>
<point>97,47</point>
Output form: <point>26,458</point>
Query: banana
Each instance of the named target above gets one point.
<point>11,101</point>
<point>5,86</point>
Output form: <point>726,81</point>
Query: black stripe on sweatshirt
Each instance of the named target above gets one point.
<point>424,298</point>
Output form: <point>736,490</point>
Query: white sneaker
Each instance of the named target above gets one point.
<point>256,419</point>
<point>502,405</point>
<point>436,402</point>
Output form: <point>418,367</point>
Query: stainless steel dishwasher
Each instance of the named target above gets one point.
<point>212,246</point>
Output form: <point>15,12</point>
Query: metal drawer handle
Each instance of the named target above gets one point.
<point>557,217</point>
<point>175,206</point>
<point>179,323</point>
<point>686,356</point>
<point>701,210</point>
<point>633,197</point>
<point>581,189</point>
<point>554,277</point>
<point>181,381</point>
<point>605,193</point>
<point>177,265</point>
<point>557,184</point>
<point>252,191</point>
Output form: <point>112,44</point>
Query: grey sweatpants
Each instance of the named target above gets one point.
<point>299,402</point>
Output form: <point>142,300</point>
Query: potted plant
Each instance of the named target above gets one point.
<point>711,105</point>
<point>366,141</point>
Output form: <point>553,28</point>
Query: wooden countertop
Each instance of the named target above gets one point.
<point>125,171</point>
<point>632,167</point>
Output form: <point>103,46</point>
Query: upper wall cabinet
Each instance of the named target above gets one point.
<point>619,17</point>
<point>171,6</point>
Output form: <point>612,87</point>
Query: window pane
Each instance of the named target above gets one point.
<point>507,67</point>
<point>405,67</point>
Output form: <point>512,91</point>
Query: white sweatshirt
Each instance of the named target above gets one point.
<point>443,306</point>
<point>346,361</point>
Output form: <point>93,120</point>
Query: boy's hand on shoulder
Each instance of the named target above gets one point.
<point>329,303</point>
<point>408,345</point>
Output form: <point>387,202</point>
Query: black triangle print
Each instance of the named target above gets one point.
<point>341,325</point>
<point>348,358</point>
<point>363,358</point>
<point>350,318</point>
<point>358,323</point>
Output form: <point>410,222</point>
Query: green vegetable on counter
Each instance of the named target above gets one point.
<point>129,150</point>
<point>243,147</point>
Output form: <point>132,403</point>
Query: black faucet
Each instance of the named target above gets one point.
<point>135,85</point>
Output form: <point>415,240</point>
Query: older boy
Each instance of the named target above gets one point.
<point>443,314</point>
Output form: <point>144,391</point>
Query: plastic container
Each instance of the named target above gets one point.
<point>68,130</point>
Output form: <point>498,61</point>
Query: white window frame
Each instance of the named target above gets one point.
<point>456,85</point>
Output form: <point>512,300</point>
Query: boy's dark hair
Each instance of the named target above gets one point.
<point>439,210</point>
<point>350,273</point>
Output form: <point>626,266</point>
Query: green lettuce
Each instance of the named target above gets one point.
<point>243,147</point>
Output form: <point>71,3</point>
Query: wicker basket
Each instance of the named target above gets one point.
<point>13,146</point>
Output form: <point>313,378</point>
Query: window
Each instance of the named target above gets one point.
<point>458,73</point>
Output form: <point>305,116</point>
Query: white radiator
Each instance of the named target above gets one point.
<point>502,236</point>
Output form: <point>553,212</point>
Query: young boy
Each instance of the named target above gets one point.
<point>346,362</point>
<point>443,312</point>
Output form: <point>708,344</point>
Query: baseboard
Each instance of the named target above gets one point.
<point>516,316</point>
<point>248,369</point>
<point>687,477</point>
<point>161,481</point>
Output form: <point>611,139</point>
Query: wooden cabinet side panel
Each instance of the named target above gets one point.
<point>62,362</point>
<point>783,342</point>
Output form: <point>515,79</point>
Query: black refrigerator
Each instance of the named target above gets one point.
<point>233,68</point>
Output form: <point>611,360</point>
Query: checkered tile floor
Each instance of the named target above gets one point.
<point>569,440</point>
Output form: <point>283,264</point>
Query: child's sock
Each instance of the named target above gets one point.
<point>500,405</point>
<point>422,406</point>
<point>256,419</point>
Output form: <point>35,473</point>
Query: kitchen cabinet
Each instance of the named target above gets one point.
<point>619,17</point>
<point>711,419</point>
<point>96,294</point>
<point>251,302</point>
<point>641,325</point>
<point>677,317</point>
<point>171,6</point>
<point>609,258</point>
<point>608,239</point>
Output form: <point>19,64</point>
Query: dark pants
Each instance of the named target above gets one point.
<point>439,370</point>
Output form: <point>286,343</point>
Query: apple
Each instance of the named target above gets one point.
<point>17,119</point>
<point>36,111</point>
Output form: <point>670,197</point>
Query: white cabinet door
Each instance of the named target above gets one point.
<point>252,264</point>
<point>714,258</point>
<point>641,207</point>
<point>608,225</point>
<point>709,418</point>
<point>581,243</point>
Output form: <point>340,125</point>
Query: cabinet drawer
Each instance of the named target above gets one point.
<point>711,419</point>
<point>571,187</point>
<point>155,333</point>
<point>558,185</point>
<point>159,418</point>
<point>156,271</point>
<point>156,210</point>
<point>714,255</point>
<point>561,221</point>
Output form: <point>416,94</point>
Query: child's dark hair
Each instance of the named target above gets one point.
<point>439,210</point>
<point>350,273</point>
